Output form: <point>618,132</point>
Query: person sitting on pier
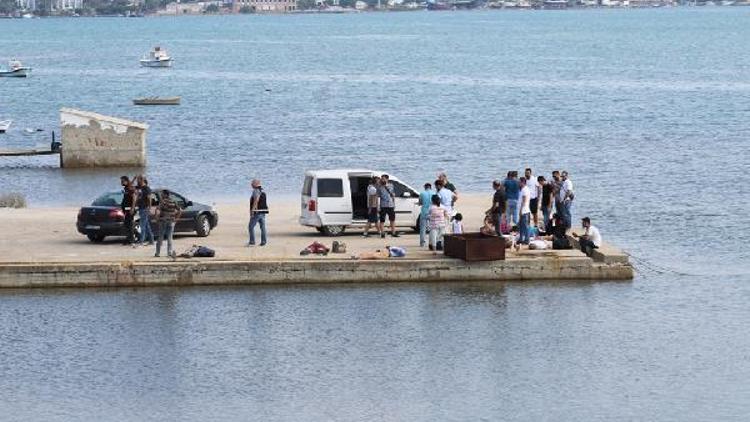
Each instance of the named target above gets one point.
<point>556,232</point>
<point>590,239</point>
<point>489,226</point>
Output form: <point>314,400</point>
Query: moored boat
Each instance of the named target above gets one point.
<point>4,125</point>
<point>157,101</point>
<point>15,70</point>
<point>158,57</point>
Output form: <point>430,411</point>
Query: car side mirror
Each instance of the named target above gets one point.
<point>188,204</point>
<point>406,195</point>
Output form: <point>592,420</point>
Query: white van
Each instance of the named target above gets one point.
<point>333,200</point>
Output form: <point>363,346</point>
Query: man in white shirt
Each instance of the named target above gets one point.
<point>523,224</point>
<point>566,198</point>
<point>446,196</point>
<point>590,239</point>
<point>535,193</point>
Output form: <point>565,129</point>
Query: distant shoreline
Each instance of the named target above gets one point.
<point>343,11</point>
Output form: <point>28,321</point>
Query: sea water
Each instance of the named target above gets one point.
<point>647,109</point>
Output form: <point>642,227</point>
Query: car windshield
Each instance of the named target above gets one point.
<point>111,199</point>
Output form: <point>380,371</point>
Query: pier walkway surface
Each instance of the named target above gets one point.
<point>40,247</point>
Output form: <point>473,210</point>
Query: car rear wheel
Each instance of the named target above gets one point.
<point>95,237</point>
<point>333,230</point>
<point>203,225</point>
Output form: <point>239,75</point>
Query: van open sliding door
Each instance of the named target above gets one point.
<point>358,186</point>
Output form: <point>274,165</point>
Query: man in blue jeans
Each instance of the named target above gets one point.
<point>566,198</point>
<point>258,212</point>
<point>144,209</point>
<point>425,200</point>
<point>512,190</point>
<point>168,213</point>
<point>525,206</point>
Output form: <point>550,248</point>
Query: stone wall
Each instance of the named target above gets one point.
<point>198,271</point>
<point>94,140</point>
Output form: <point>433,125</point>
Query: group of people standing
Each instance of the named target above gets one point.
<point>437,211</point>
<point>437,207</point>
<point>137,199</point>
<point>381,203</point>
<point>517,202</point>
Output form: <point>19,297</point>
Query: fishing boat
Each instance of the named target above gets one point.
<point>4,125</point>
<point>157,101</point>
<point>15,70</point>
<point>157,57</point>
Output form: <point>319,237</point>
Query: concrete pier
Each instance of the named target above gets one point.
<point>41,248</point>
<point>94,140</point>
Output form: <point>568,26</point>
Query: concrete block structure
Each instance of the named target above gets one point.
<point>94,140</point>
<point>265,6</point>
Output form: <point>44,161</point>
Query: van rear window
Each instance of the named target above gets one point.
<point>307,186</point>
<point>330,188</point>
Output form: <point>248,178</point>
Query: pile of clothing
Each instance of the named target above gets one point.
<point>317,248</point>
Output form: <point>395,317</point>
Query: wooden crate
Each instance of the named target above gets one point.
<point>474,247</point>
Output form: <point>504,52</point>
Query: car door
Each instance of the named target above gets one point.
<point>186,222</point>
<point>154,206</point>
<point>406,204</point>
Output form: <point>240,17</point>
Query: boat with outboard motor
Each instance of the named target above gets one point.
<point>158,57</point>
<point>16,69</point>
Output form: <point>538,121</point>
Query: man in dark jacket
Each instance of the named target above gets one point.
<point>128,208</point>
<point>258,212</point>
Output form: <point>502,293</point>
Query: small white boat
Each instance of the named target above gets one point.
<point>15,70</point>
<point>157,57</point>
<point>157,101</point>
<point>4,125</point>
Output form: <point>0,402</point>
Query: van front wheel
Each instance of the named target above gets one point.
<point>333,230</point>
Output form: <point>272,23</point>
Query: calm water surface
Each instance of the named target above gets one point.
<point>648,110</point>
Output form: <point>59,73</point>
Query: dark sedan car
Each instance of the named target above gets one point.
<point>105,218</point>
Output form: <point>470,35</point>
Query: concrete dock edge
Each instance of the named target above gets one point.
<point>295,271</point>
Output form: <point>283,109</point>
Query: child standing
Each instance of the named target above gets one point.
<point>438,216</point>
<point>458,225</point>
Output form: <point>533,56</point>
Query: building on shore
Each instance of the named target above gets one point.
<point>60,5</point>
<point>26,4</point>
<point>264,6</point>
<point>177,8</point>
